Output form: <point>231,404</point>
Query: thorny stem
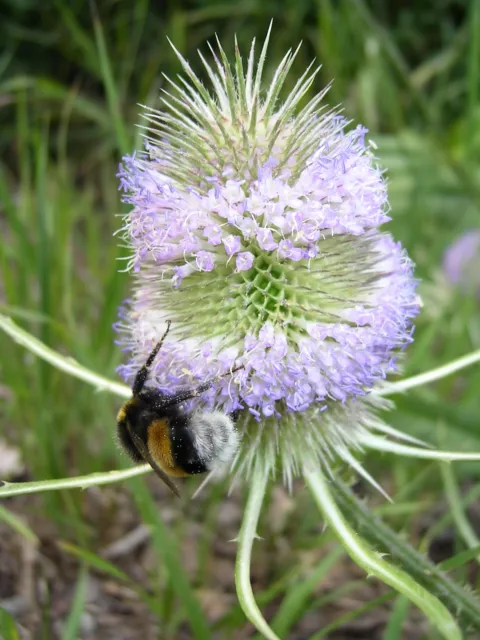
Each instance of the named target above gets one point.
<point>248,533</point>
<point>373,563</point>
<point>64,363</point>
<point>8,489</point>
<point>457,599</point>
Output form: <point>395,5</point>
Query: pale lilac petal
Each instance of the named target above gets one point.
<point>205,260</point>
<point>232,244</point>
<point>244,261</point>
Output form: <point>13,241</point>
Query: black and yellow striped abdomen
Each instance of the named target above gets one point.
<point>166,434</point>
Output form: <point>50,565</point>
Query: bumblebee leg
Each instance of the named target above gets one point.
<point>193,393</point>
<point>145,454</point>
<point>142,374</point>
<point>235,415</point>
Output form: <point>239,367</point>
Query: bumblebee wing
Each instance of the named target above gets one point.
<point>144,452</point>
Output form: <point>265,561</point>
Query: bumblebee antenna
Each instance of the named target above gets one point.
<point>142,374</point>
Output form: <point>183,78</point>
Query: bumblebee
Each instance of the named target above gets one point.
<point>153,427</point>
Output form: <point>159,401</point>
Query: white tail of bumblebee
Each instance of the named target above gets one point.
<point>216,439</point>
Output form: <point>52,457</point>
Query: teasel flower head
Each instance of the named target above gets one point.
<point>255,227</point>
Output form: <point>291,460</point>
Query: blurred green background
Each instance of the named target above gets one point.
<point>72,74</point>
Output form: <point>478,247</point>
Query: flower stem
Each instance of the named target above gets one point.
<point>248,532</point>
<point>8,489</point>
<point>373,563</point>
<point>457,599</point>
<point>429,376</point>
<point>67,364</point>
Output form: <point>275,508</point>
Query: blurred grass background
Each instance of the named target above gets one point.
<point>71,76</point>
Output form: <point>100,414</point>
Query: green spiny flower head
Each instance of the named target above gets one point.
<point>255,229</point>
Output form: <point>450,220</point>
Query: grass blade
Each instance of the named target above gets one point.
<point>74,619</point>
<point>296,599</point>
<point>123,141</point>
<point>168,552</point>
<point>397,618</point>
<point>8,628</point>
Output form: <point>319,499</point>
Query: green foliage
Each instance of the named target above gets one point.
<point>8,628</point>
<point>71,77</point>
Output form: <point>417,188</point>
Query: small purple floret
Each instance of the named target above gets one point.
<point>244,261</point>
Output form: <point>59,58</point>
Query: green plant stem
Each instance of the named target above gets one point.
<point>8,489</point>
<point>64,363</point>
<point>373,563</point>
<point>445,370</point>
<point>455,598</point>
<point>248,533</point>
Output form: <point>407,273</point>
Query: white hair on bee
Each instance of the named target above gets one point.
<point>216,439</point>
